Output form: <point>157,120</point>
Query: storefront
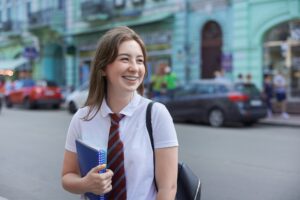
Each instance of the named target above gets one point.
<point>282,53</point>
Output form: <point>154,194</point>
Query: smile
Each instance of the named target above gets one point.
<point>131,78</point>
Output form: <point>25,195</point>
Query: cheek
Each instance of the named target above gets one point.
<point>143,70</point>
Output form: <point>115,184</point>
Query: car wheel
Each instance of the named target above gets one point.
<point>72,108</point>
<point>216,117</point>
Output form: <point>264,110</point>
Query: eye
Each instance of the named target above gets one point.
<point>124,59</point>
<point>140,61</point>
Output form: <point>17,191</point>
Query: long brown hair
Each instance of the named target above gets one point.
<point>106,53</point>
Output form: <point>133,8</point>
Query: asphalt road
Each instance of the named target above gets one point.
<point>235,163</point>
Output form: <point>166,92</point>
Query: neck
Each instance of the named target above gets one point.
<point>117,102</point>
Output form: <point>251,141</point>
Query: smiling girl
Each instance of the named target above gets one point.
<point>116,92</point>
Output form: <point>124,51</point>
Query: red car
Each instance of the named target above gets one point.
<point>31,94</point>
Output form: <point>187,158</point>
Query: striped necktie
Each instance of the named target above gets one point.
<point>115,160</point>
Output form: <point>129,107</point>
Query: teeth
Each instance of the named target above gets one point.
<point>132,78</point>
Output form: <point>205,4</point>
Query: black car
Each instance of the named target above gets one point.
<point>216,103</point>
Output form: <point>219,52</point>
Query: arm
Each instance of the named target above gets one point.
<point>92,182</point>
<point>166,167</point>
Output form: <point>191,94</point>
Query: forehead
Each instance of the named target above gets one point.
<point>130,46</point>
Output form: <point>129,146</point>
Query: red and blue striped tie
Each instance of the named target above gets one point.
<point>115,160</point>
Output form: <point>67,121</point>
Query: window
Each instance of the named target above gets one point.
<point>205,89</point>
<point>8,12</point>
<point>28,8</point>
<point>61,4</point>
<point>138,1</point>
<point>119,3</point>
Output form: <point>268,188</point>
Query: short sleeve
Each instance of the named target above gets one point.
<point>164,132</point>
<point>73,133</point>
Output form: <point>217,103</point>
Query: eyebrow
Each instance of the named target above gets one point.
<point>126,54</point>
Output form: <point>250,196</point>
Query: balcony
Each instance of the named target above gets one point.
<point>50,17</point>
<point>92,10</point>
<point>6,26</point>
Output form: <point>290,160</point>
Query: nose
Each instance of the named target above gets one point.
<point>133,66</point>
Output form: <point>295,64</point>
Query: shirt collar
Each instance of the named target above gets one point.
<point>128,110</point>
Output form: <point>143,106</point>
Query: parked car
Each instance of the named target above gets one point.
<point>217,103</point>
<point>77,98</point>
<point>1,101</point>
<point>31,94</point>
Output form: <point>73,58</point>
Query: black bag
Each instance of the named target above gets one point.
<point>188,184</point>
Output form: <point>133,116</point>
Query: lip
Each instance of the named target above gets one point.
<point>131,78</point>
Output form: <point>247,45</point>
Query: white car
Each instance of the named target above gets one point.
<point>77,98</point>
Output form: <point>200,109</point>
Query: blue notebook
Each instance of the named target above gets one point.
<point>88,158</point>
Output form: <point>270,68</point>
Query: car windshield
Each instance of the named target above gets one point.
<point>44,83</point>
<point>28,83</point>
<point>249,89</point>
<point>51,84</point>
<point>205,88</point>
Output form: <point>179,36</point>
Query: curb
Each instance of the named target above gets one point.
<point>280,124</point>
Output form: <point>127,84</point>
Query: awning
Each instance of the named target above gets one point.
<point>13,64</point>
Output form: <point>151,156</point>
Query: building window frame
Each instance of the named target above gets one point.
<point>119,3</point>
<point>137,2</point>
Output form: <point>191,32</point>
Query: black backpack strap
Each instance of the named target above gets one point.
<point>149,124</point>
<point>150,132</point>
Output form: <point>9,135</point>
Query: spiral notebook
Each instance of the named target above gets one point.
<point>88,158</point>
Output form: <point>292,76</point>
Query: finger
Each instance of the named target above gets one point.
<point>107,189</point>
<point>98,168</point>
<point>110,172</point>
<point>107,175</point>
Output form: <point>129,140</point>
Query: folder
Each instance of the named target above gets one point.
<point>88,158</point>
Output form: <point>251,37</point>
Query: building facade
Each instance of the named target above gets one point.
<point>266,39</point>
<point>194,37</point>
<point>33,31</point>
<point>156,22</point>
<point>249,37</point>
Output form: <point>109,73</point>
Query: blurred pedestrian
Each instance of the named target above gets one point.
<point>113,119</point>
<point>280,92</point>
<point>248,78</point>
<point>170,80</point>
<point>158,84</point>
<point>220,76</point>
<point>268,93</point>
<point>240,78</point>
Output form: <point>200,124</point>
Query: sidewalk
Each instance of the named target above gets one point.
<point>277,120</point>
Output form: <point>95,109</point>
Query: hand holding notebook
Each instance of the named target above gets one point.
<point>92,160</point>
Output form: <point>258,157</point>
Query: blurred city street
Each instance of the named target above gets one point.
<point>231,64</point>
<point>235,163</point>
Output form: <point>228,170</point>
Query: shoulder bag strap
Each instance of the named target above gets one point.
<point>149,128</point>
<point>149,124</point>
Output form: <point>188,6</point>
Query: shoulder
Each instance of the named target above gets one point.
<point>158,107</point>
<point>83,112</point>
<point>159,111</point>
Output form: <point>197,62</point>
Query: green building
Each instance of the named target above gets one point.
<point>87,21</point>
<point>33,31</point>
<point>194,37</point>
<point>246,37</point>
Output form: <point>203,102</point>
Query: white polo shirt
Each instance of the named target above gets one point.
<point>133,132</point>
<point>280,83</point>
